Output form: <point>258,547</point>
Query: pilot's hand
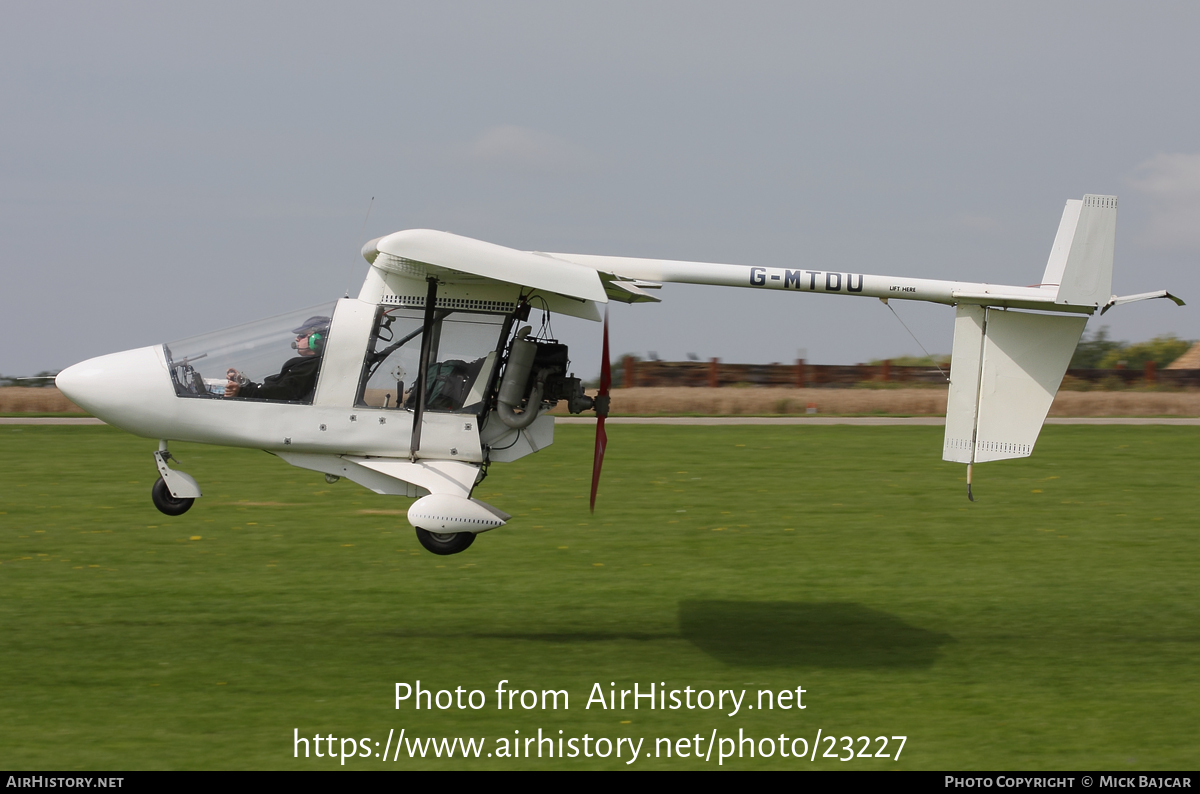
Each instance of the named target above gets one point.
<point>234,384</point>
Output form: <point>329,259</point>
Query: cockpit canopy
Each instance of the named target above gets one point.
<point>258,350</point>
<point>464,349</point>
<point>262,358</point>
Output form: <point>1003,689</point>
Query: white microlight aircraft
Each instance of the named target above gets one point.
<point>431,374</point>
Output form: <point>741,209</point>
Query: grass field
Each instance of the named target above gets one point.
<point>1054,624</point>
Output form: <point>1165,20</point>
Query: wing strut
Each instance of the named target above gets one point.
<point>423,368</point>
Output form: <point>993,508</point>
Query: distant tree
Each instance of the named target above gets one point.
<point>1162,350</point>
<point>938,359</point>
<point>1094,349</point>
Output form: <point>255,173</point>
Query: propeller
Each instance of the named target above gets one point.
<point>601,406</point>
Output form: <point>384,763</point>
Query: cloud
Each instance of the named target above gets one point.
<point>1172,184</point>
<point>520,148</point>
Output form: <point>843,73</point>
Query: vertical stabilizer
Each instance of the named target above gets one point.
<point>1005,371</point>
<point>1081,260</point>
<point>1062,244</point>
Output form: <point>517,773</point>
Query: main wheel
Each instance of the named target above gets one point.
<point>161,496</point>
<point>445,542</point>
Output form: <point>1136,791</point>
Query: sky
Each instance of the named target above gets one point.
<point>169,169</point>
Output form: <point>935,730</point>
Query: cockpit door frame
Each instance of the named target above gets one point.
<point>349,332</point>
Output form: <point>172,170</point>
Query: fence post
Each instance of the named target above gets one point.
<point>630,372</point>
<point>1151,373</point>
<point>714,374</point>
<point>801,374</point>
<point>887,370</point>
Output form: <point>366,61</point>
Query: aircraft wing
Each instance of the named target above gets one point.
<point>417,253</point>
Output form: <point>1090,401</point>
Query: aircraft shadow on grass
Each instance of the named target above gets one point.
<point>800,634</point>
<point>778,634</point>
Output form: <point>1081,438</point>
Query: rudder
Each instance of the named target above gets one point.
<point>1081,259</point>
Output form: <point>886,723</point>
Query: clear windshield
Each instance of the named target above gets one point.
<point>273,359</point>
<point>462,360</point>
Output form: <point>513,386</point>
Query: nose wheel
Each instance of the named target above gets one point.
<point>161,496</point>
<point>442,542</point>
<point>174,490</point>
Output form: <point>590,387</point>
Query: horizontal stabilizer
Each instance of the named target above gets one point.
<point>1004,373</point>
<point>1141,296</point>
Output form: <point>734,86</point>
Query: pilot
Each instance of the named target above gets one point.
<point>298,377</point>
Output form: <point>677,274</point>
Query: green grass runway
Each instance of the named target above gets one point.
<point>1053,624</point>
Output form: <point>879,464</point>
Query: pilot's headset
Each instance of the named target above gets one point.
<point>317,330</point>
